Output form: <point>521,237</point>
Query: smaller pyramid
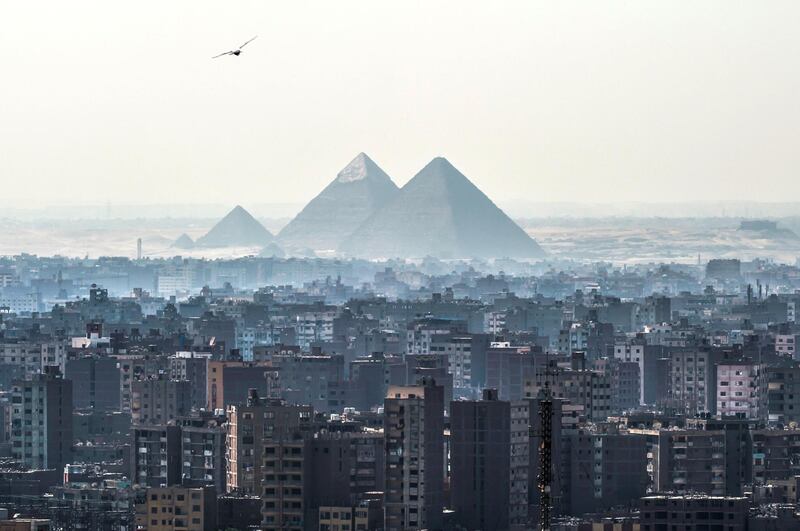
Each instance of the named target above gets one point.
<point>237,229</point>
<point>183,242</point>
<point>272,251</point>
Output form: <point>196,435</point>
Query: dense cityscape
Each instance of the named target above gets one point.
<point>281,393</point>
<point>311,380</point>
<point>399,266</point>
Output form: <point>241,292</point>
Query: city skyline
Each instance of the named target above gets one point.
<point>399,266</point>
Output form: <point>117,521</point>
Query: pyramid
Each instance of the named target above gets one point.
<point>184,241</point>
<point>237,229</point>
<point>357,192</point>
<point>272,251</point>
<point>440,213</point>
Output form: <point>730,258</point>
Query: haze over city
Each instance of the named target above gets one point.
<point>384,266</point>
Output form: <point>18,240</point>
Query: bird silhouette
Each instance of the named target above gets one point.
<point>237,51</point>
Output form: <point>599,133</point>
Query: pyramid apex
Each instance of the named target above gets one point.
<point>359,168</point>
<point>439,162</point>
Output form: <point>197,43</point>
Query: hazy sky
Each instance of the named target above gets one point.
<point>571,101</point>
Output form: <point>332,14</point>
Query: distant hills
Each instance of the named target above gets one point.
<point>440,213</point>
<point>762,228</point>
<point>237,229</point>
<point>356,193</point>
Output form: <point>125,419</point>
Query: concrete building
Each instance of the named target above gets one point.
<point>480,462</point>
<point>521,473</point>
<point>786,345</point>
<point>573,339</point>
<point>775,455</point>
<point>367,465</point>
<point>41,420</point>
<point>367,386</point>
<point>687,461</point>
<point>238,512</point>
<point>303,471</point>
<point>20,303</point>
<point>338,518</point>
<point>306,473</point>
<point>156,456</point>
<point>783,394</point>
<point>286,484</point>
<point>177,508</point>
<point>25,524</point>
<point>693,512</point>
<point>633,351</point>
<point>625,383</point>
<point>315,379</point>
<point>414,435</point>
<point>135,367</point>
<point>215,329</point>
<point>507,368</point>
<point>605,470</point>
<point>741,390</point>
<point>159,400</point>
<point>494,323</point>
<point>95,383</point>
<point>329,464</point>
<point>458,349</point>
<point>419,366</point>
<point>173,282</point>
<point>192,367</point>
<point>249,426</point>
<point>421,334</point>
<point>366,515</point>
<point>693,381</point>
<point>655,310</point>
<point>203,451</point>
<point>314,327</point>
<point>34,356</point>
<point>579,385</point>
<point>738,449</point>
<point>724,269</point>
<point>228,382</point>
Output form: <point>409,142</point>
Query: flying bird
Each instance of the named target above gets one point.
<point>237,51</point>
